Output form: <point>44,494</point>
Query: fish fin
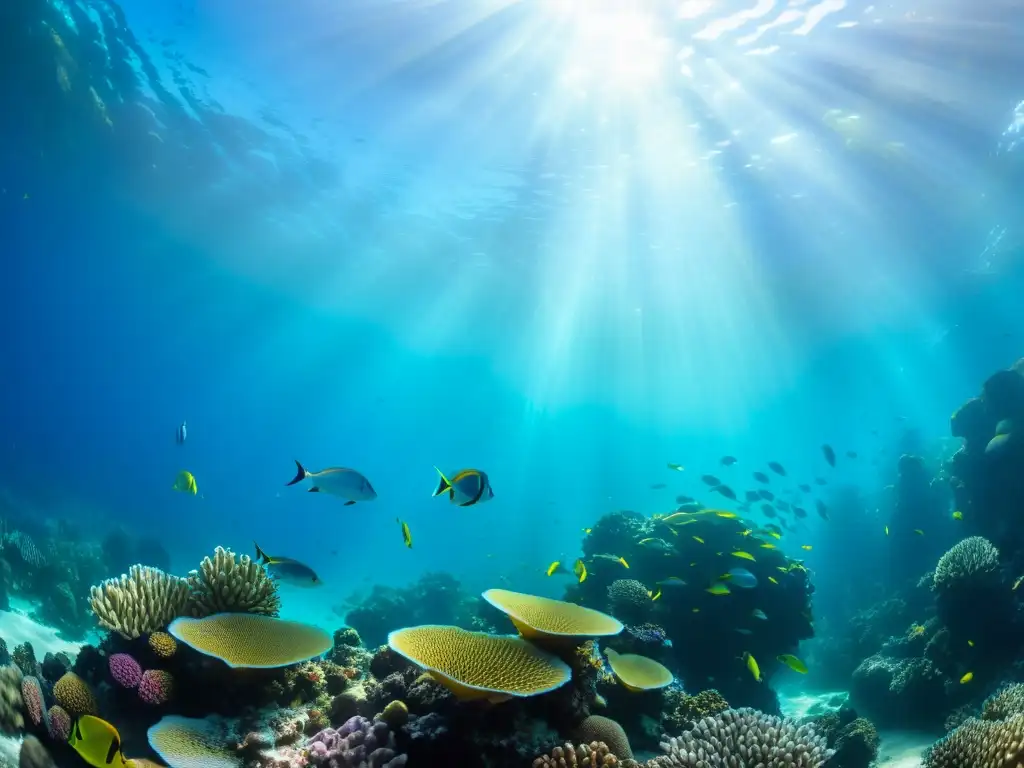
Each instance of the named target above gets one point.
<point>479,493</point>
<point>442,485</point>
<point>301,475</point>
<point>261,556</point>
<point>113,749</point>
<point>313,490</point>
<point>349,503</point>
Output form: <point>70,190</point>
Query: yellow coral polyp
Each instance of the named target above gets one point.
<point>541,617</point>
<point>162,644</point>
<point>638,673</point>
<point>477,665</point>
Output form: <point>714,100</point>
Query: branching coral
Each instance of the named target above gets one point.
<point>226,584</point>
<point>1004,703</point>
<point>980,744</point>
<point>143,601</point>
<point>972,560</point>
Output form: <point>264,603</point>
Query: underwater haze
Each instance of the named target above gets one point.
<point>616,256</point>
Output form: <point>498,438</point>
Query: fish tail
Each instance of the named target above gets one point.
<point>443,486</point>
<point>261,556</point>
<point>301,475</point>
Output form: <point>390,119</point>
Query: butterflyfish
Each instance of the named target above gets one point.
<point>555,567</point>
<point>98,742</point>
<point>287,569</point>
<point>580,569</point>
<point>344,483</point>
<point>186,483</point>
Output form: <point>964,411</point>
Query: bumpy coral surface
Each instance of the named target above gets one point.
<point>191,743</point>
<point>981,744</point>
<point>125,670</point>
<point>162,644</point>
<point>593,755</point>
<point>745,738</point>
<point>973,559</point>
<point>143,601</point>
<point>32,695</point>
<point>1004,703</point>
<point>59,723</point>
<point>74,695</point>
<point>156,686</point>
<point>359,742</point>
<point>628,597</point>
<point>11,706</point>
<point>252,640</point>
<point>226,584</point>
<point>540,616</point>
<point>598,729</point>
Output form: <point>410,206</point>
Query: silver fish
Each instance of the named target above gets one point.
<point>288,570</point>
<point>344,483</point>
<point>181,434</point>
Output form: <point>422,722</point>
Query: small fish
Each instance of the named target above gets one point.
<point>710,480</point>
<point>805,487</point>
<point>672,581</point>
<point>744,631</point>
<point>406,533</point>
<point>726,491</point>
<point>743,555</point>
<point>752,496</point>
<point>288,570</point>
<point>766,495</point>
<point>958,515</point>
<point>777,468</point>
<point>792,662</point>
<point>555,567</point>
<point>587,531</point>
<point>752,665</point>
<point>916,630</point>
<point>830,455</point>
<point>970,643</point>
<point>851,454</point>
<point>654,595</point>
<point>761,477</point>
<point>681,499</point>
<point>773,580</point>
<point>344,483</point>
<point>757,613</point>
<point>695,610</point>
<point>654,543</point>
<point>718,588</point>
<point>466,488</point>
<point>919,532</point>
<point>822,509</point>
<point>781,504</point>
<point>807,547</point>
<point>887,530</point>
<point>767,545</point>
<point>181,433</point>
<point>746,532</point>
<point>728,461</point>
<point>1017,583</point>
<point>726,515</point>
<point>580,569</point>
<point>967,678</point>
<point>698,539</point>
<point>186,483</point>
<point>658,486</point>
<point>741,578</point>
<point>98,742</point>
<point>676,467</point>
<point>613,559</point>
<point>821,481</point>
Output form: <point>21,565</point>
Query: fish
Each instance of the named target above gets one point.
<point>614,558</point>
<point>822,509</point>
<point>742,554</point>
<point>775,535</point>
<point>587,531</point>
<point>728,461</point>
<point>757,613</point>
<point>782,504</point>
<point>767,545</point>
<point>807,547</point>
<point>792,662</point>
<point>726,491</point>
<point>98,742</point>
<point>967,678</point>
<point>698,539</point>
<point>742,578</point>
<point>919,532</point>
<point>746,531</point>
<point>761,477</point>
<point>752,496</point>
<point>344,483</point>
<point>654,543</point>
<point>916,630</point>
<point>887,530</point>
<point>186,483</point>
<point>773,580</point>
<point>830,455</point>
<point>745,631</point>
<point>800,512</point>
<point>406,533</point>
<point>718,588</point>
<point>181,433</point>
<point>466,488</point>
<point>654,595</point>
<point>555,567</point>
<point>821,481</point>
<point>958,515</point>
<point>752,665</point>
<point>851,454</point>
<point>579,568</point>
<point>676,467</point>
<point>805,487</point>
<point>682,499</point>
<point>710,480</point>
<point>726,515</point>
<point>766,495</point>
<point>777,468</point>
<point>1017,583</point>
<point>658,486</point>
<point>970,643</point>
<point>672,581</point>
<point>288,570</point>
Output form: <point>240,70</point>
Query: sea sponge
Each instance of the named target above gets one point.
<point>32,695</point>
<point>186,742</point>
<point>74,695</point>
<point>605,730</point>
<point>638,673</point>
<point>224,584</point>
<point>162,644</point>
<point>751,736</point>
<point>156,686</point>
<point>125,670</point>
<point>593,755</point>
<point>971,560</point>
<point>143,601</point>
<point>11,705</point>
<point>475,665</point>
<point>980,744</point>
<point>1004,703</point>
<point>59,723</point>
<point>252,640</point>
<point>541,618</point>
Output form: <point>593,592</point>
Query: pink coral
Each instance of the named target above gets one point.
<point>32,693</point>
<point>60,723</point>
<point>125,670</point>
<point>156,686</point>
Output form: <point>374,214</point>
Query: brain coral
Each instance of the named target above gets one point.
<point>143,601</point>
<point>73,694</point>
<point>162,644</point>
<point>745,738</point>
<point>972,560</point>
<point>541,617</point>
<point>156,686</point>
<point>478,665</point>
<point>251,640</point>
<point>605,730</point>
<point>125,670</point>
<point>592,755</point>
<point>638,673</point>
<point>980,744</point>
<point>224,584</point>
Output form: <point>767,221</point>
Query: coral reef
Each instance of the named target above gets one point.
<point>680,711</point>
<point>980,744</point>
<point>143,601</point>
<point>228,583</point>
<point>596,728</point>
<point>11,704</point>
<point>74,695</point>
<point>156,686</point>
<point>592,755</point>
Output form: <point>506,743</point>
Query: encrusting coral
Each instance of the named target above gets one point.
<point>139,602</point>
<point>225,584</point>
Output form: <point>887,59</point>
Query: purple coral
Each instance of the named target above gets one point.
<point>32,694</point>
<point>60,723</point>
<point>125,670</point>
<point>359,743</point>
<point>156,686</point>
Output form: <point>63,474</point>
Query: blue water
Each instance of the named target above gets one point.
<point>565,246</point>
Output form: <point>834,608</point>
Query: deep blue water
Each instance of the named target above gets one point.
<point>390,236</point>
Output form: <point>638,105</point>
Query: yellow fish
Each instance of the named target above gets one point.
<point>780,568</point>
<point>772,580</point>
<point>726,515</point>
<point>970,643</point>
<point>186,483</point>
<point>653,595</point>
<point>624,563</point>
<point>768,546</point>
<point>698,539</point>
<point>743,555</point>
<point>747,532</point>
<point>554,568</point>
<point>752,666</point>
<point>887,530</point>
<point>406,533</point>
<point>775,535</point>
<point>808,547</point>
<point>98,742</point>
<point>580,569</point>
<point>792,662</point>
<point>919,532</point>
<point>718,589</point>
<point>958,515</point>
<point>967,678</point>
<point>696,610</point>
<point>916,630</point>
<point>587,531</point>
